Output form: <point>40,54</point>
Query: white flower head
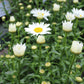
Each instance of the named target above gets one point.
<point>76,47</point>
<point>56,7</point>
<point>40,14</point>
<point>37,28</point>
<point>12,28</point>
<point>67,26</point>
<point>19,49</point>
<point>70,16</point>
<point>79,13</point>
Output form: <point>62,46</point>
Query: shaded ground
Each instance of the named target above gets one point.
<point>3,31</point>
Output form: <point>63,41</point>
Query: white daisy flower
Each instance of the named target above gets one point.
<point>79,13</point>
<point>70,16</point>
<point>40,14</point>
<point>38,28</point>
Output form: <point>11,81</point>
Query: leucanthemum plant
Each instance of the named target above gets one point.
<point>44,42</point>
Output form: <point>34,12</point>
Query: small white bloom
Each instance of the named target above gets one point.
<point>75,1</point>
<point>70,16</point>
<point>37,28</point>
<point>12,19</point>
<point>12,28</point>
<point>41,39</point>
<point>67,26</point>
<point>19,49</point>
<point>40,14</point>
<point>76,47</point>
<point>56,7</point>
<point>79,13</point>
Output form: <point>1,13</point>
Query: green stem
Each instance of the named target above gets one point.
<point>39,21</point>
<point>74,32</point>
<point>70,68</point>
<point>65,43</point>
<point>72,62</point>
<point>11,40</point>
<point>18,34</point>
<point>40,54</point>
<point>18,71</point>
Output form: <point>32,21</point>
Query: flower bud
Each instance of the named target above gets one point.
<point>47,64</point>
<point>54,23</point>
<point>7,56</point>
<point>79,79</point>
<point>1,56</point>
<point>12,19</point>
<point>18,24</point>
<point>12,28</point>
<point>19,49</point>
<point>47,47</point>
<point>30,1</point>
<point>44,82</point>
<point>34,47</point>
<point>75,1</point>
<point>27,37</point>
<point>3,18</point>
<point>12,56</point>
<point>14,76</point>
<point>22,7</point>
<point>29,6</point>
<point>27,14</point>
<point>41,39</point>
<point>76,47</point>
<point>20,4</point>
<point>56,7</point>
<point>26,23</point>
<point>60,37</point>
<point>42,71</point>
<point>78,66</point>
<point>67,26</point>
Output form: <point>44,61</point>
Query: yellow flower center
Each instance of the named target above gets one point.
<point>38,29</point>
<point>41,14</point>
<point>80,15</point>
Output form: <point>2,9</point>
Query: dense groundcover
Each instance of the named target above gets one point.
<point>44,42</point>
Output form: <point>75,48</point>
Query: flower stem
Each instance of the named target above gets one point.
<point>70,68</point>
<point>65,42</point>
<point>39,21</point>
<point>18,71</point>
<point>40,54</point>
<point>76,24</point>
<point>72,62</point>
<point>18,34</point>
